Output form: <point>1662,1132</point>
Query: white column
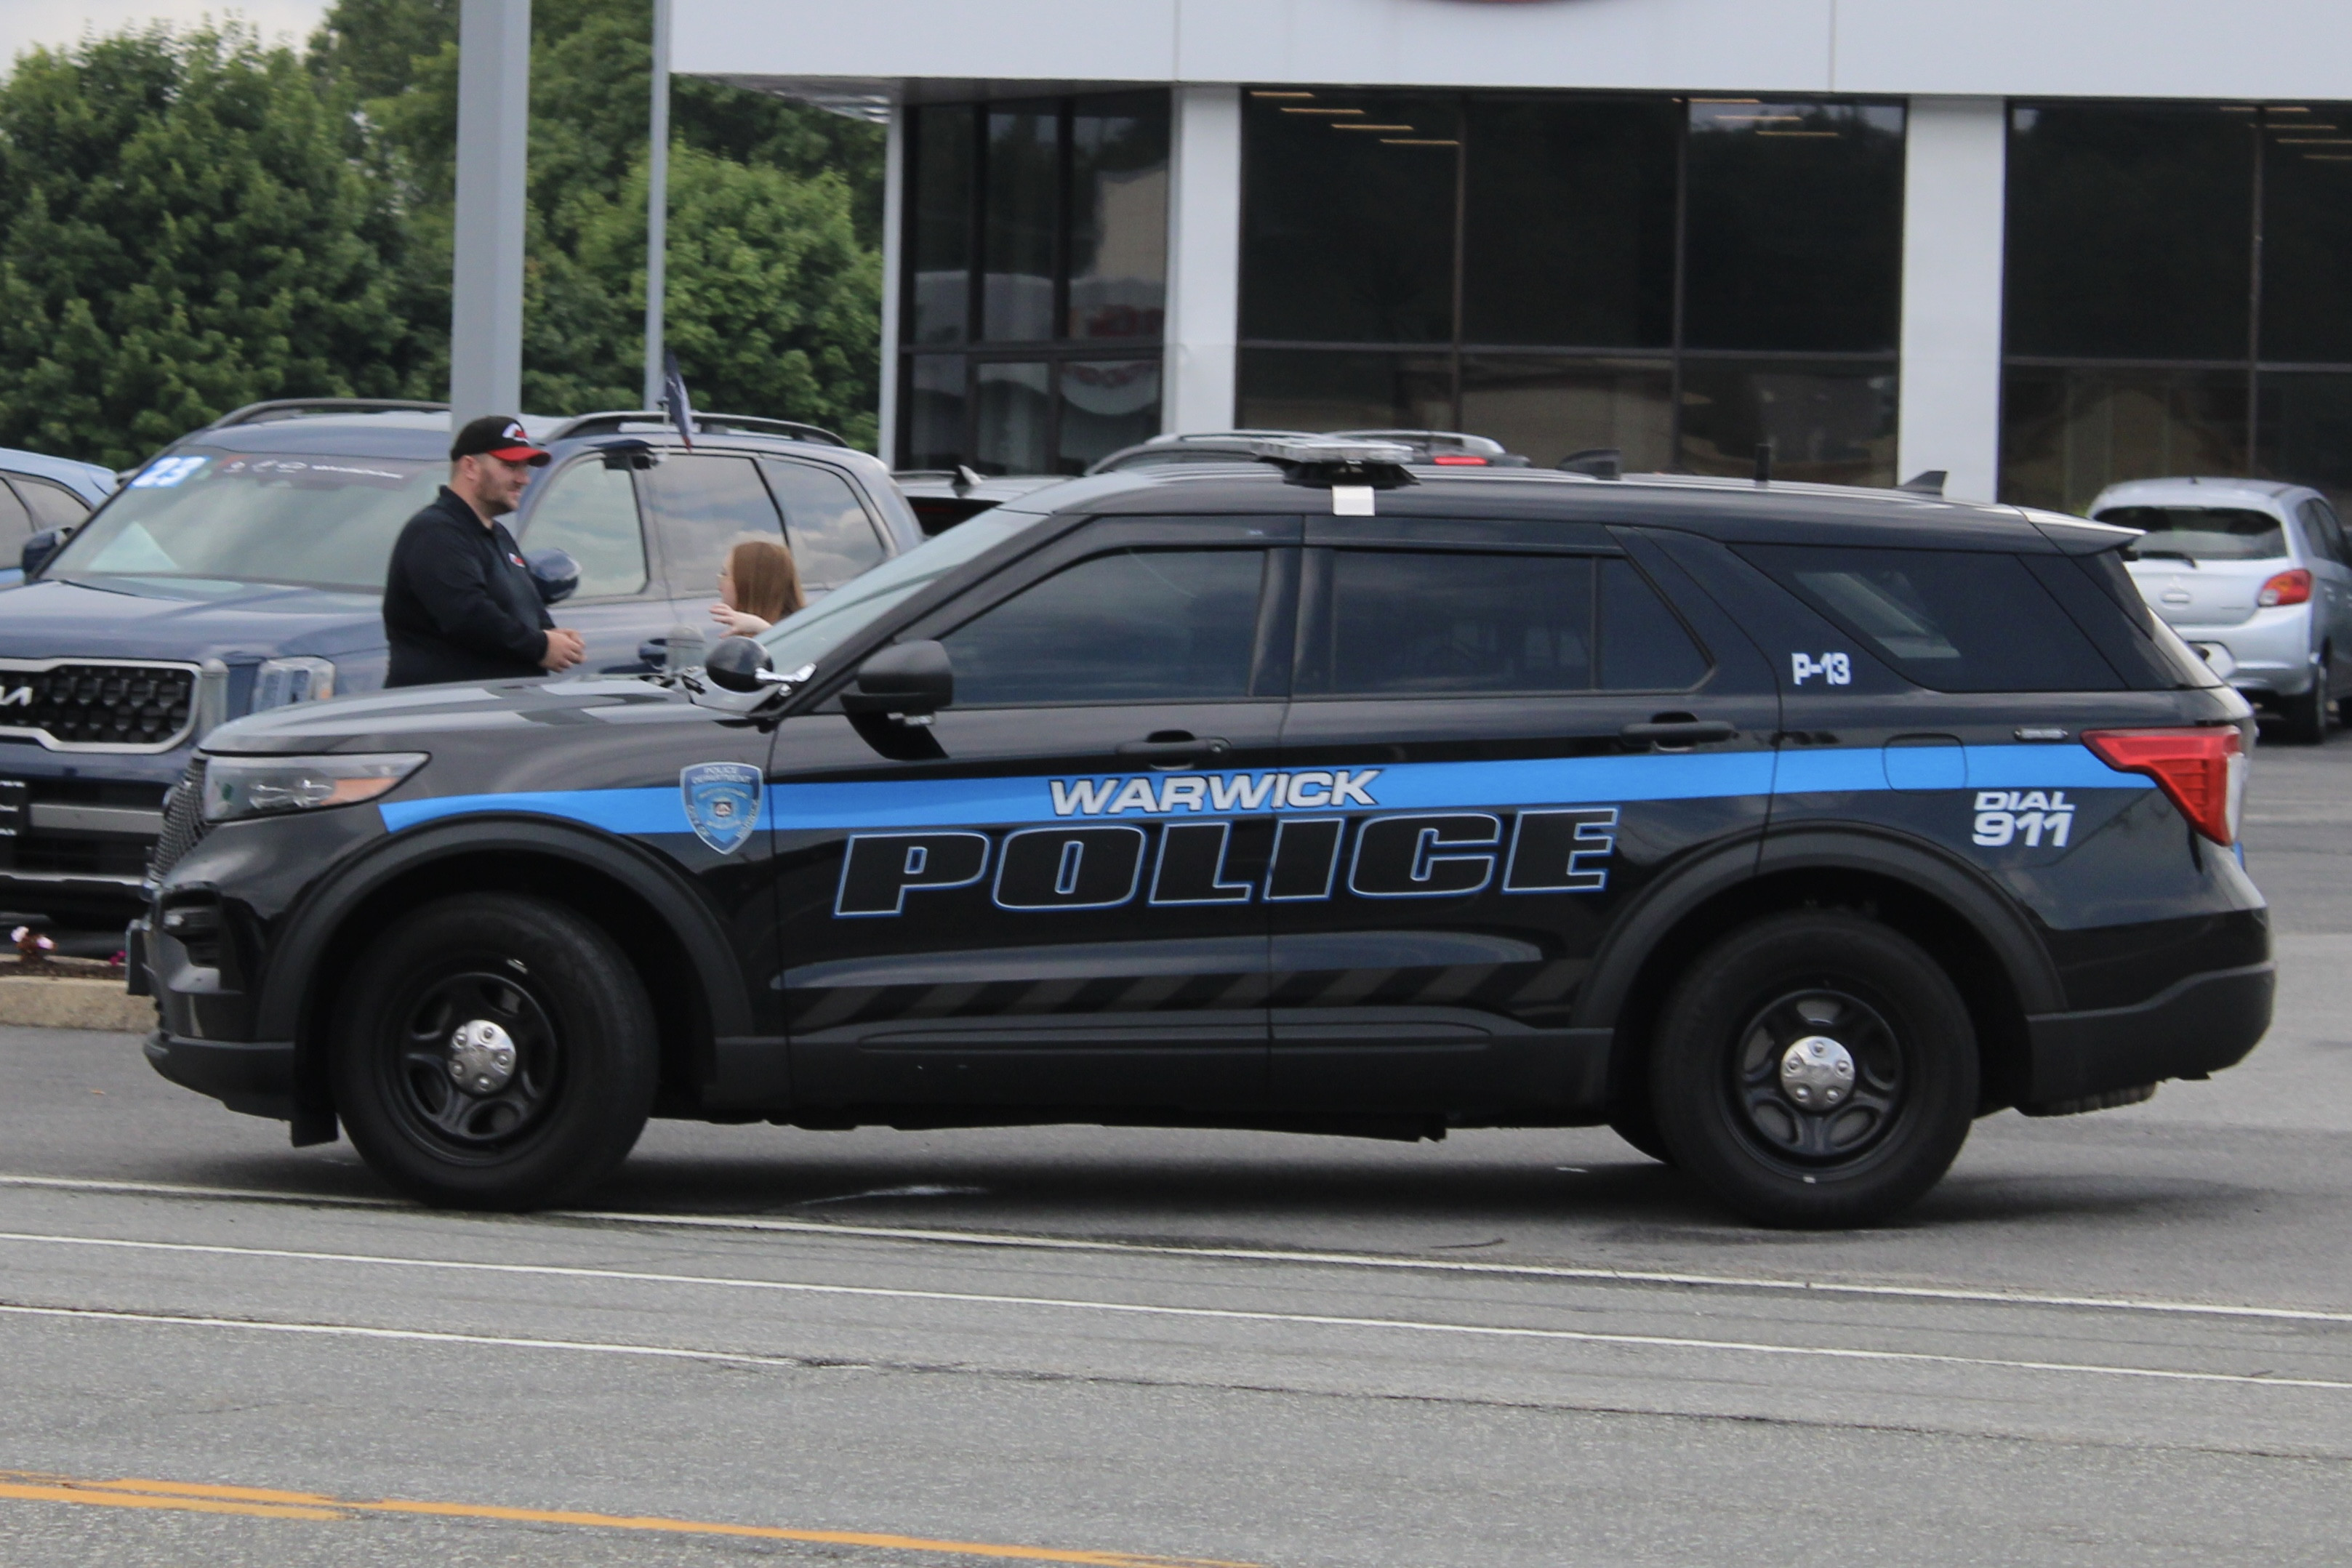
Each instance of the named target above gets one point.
<point>1204,257</point>
<point>1955,177</point>
<point>493,139</point>
<point>657,212</point>
<point>894,257</point>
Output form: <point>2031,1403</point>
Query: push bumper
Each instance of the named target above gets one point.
<point>255,1077</point>
<point>2192,1028</point>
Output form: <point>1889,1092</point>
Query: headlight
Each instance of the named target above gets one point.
<point>281,681</point>
<point>238,786</point>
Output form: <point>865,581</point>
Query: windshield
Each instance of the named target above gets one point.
<point>807,635</point>
<point>2203,533</point>
<point>313,521</point>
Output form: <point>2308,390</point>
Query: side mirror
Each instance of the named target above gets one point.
<point>554,573</point>
<point>737,665</point>
<point>913,678</point>
<point>41,548</point>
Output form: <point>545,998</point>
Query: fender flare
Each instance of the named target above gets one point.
<point>291,983</point>
<point>1992,913</point>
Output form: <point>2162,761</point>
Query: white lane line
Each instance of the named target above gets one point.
<point>1240,1254</point>
<point>1650,1342</point>
<point>1138,1309</point>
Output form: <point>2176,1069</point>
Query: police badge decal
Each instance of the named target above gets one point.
<point>723,802</point>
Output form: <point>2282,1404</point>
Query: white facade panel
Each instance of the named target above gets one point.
<point>2279,49</point>
<point>1955,160</point>
<point>1204,244</point>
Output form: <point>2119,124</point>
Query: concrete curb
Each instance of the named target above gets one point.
<point>52,1002</point>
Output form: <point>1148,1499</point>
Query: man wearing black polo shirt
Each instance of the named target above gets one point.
<point>458,603</point>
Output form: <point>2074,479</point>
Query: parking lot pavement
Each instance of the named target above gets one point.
<point>2126,1336</point>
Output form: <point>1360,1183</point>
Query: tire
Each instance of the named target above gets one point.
<point>576,1084</point>
<point>1634,1122</point>
<point>1726,1079</point>
<point>2306,715</point>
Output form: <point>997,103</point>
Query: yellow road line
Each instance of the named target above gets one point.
<point>264,1503</point>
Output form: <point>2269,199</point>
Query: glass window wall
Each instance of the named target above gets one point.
<point>2179,296</point>
<point>1564,272</point>
<point>1036,241</point>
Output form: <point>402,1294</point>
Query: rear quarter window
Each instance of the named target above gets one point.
<point>1951,620</point>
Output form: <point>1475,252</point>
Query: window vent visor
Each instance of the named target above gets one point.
<point>2201,771</point>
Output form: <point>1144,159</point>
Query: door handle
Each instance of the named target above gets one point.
<point>1173,748</point>
<point>1680,731</point>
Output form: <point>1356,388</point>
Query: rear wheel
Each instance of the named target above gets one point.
<point>495,1051</point>
<point>1814,1068</point>
<point>2306,715</point>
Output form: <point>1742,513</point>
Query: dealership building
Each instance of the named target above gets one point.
<point>2039,245</point>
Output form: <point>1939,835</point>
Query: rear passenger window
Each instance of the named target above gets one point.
<point>1643,648</point>
<point>1953,621</point>
<point>702,504</point>
<point>1420,621</point>
<point>2326,537</point>
<point>831,537</point>
<point>590,511</point>
<point>1136,626</point>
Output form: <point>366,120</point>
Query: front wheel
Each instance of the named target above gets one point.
<point>1814,1068</point>
<point>494,1052</point>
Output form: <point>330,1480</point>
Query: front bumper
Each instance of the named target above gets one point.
<point>255,1077</point>
<point>2194,1027</point>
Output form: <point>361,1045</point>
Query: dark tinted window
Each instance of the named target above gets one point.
<point>1132,627</point>
<point>1826,424</point>
<point>2069,431</point>
<point>701,504</point>
<point>590,511</point>
<point>939,247</point>
<point>1017,226</point>
<point>2203,533</point>
<point>831,537</point>
<point>2308,234</point>
<point>52,505</point>
<point>1568,226</point>
<point>1118,217</point>
<point>936,409</point>
<point>1795,225</point>
<point>1954,620</point>
<point>1643,648</point>
<point>2130,231</point>
<point>1347,218</point>
<point>1409,622</point>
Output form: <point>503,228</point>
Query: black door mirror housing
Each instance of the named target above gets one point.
<point>41,548</point>
<point>912,678</point>
<point>554,573</point>
<point>737,665</point>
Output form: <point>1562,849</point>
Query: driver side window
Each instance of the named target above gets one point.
<point>590,511</point>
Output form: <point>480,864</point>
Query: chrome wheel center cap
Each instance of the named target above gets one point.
<point>1817,1073</point>
<point>481,1057</point>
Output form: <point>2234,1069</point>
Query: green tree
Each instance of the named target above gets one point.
<point>775,277</point>
<point>188,222</point>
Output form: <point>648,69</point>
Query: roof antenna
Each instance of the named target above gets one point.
<point>963,481</point>
<point>1763,463</point>
<point>1927,482</point>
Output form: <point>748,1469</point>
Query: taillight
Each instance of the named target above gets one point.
<point>1472,460</point>
<point>2286,588</point>
<point>2201,771</point>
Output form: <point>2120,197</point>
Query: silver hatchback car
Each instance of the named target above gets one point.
<point>2255,576</point>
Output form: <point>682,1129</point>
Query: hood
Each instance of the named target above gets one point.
<point>410,718</point>
<point>146,619</point>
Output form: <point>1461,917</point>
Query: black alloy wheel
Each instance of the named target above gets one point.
<point>495,1051</point>
<point>1814,1068</point>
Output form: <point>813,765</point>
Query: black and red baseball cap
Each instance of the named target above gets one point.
<point>498,435</point>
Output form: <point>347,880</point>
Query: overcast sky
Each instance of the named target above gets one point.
<point>25,23</point>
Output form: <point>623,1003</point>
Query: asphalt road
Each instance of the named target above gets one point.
<point>2117,1338</point>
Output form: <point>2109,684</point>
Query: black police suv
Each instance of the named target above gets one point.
<point>1785,829</point>
<point>242,568</point>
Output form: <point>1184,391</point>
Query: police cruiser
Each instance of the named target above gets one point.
<point>1784,829</point>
